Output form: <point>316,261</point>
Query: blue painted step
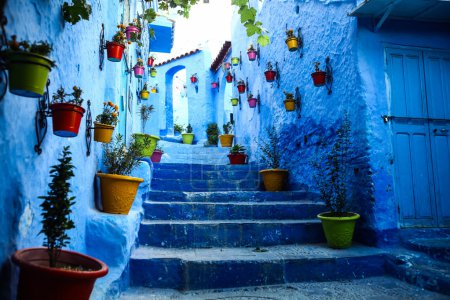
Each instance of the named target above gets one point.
<point>228,233</point>
<point>203,167</point>
<point>236,267</point>
<point>154,210</point>
<point>204,185</point>
<point>206,174</point>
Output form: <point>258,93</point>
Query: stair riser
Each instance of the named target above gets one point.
<point>229,234</point>
<point>206,175</point>
<point>183,275</point>
<point>204,185</point>
<point>155,211</point>
<point>200,167</point>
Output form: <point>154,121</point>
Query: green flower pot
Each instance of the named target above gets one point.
<point>234,101</point>
<point>338,230</point>
<point>187,138</point>
<point>235,61</point>
<point>148,141</point>
<point>28,73</point>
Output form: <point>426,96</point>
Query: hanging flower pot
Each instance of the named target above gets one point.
<point>156,156</point>
<point>291,41</point>
<point>144,95</point>
<point>138,71</point>
<point>66,119</point>
<point>319,77</point>
<point>214,85</point>
<point>154,90</point>
<point>153,72</point>
<point>270,75</point>
<point>105,122</point>
<point>150,61</point>
<point>226,65</point>
<point>114,51</point>
<point>252,101</point>
<point>289,102</point>
<point>103,132</point>
<point>132,30</point>
<point>234,101</point>
<point>241,86</point>
<point>251,52</point>
<point>194,78</point>
<point>235,61</point>
<point>229,77</point>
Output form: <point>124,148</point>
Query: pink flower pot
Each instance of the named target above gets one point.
<point>252,102</point>
<point>156,156</point>
<point>138,71</point>
<point>214,85</point>
<point>251,55</point>
<point>227,65</point>
<point>130,30</point>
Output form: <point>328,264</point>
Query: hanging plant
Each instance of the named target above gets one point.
<point>252,101</point>
<point>139,68</point>
<point>251,53</point>
<point>133,31</point>
<point>318,76</point>
<point>289,102</point>
<point>117,46</point>
<point>153,72</point>
<point>151,61</point>
<point>270,73</point>
<point>77,11</point>
<point>235,61</point>
<point>227,65</point>
<point>214,85</point>
<point>105,122</point>
<point>241,86</point>
<point>194,78</point>
<point>234,101</point>
<point>291,41</point>
<point>229,77</point>
<point>144,92</point>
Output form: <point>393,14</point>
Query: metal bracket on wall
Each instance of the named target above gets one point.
<point>329,75</point>
<point>3,68</point>
<point>234,78</point>
<point>101,48</point>
<point>298,102</point>
<point>240,106</point>
<point>40,121</point>
<point>259,103</point>
<point>240,60</point>
<point>258,53</point>
<point>88,128</point>
<point>300,41</point>
<point>277,75</point>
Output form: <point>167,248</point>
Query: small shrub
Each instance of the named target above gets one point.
<point>271,153</point>
<point>213,134</point>
<point>119,159</point>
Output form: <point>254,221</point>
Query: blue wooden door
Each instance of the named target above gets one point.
<point>420,98</point>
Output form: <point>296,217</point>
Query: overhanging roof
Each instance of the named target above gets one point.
<point>415,10</point>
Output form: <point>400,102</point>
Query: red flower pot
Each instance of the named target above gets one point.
<point>241,88</point>
<point>270,75</point>
<point>193,79</point>
<point>229,78</point>
<point>66,119</point>
<point>214,85</point>
<point>237,158</point>
<point>251,55</point>
<point>319,78</point>
<point>252,102</point>
<point>156,156</point>
<point>38,281</point>
<point>150,61</point>
<point>114,51</point>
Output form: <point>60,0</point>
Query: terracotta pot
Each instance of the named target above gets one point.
<point>38,281</point>
<point>237,158</point>
<point>252,102</point>
<point>138,71</point>
<point>226,140</point>
<point>150,62</point>
<point>241,88</point>
<point>251,55</point>
<point>235,61</point>
<point>114,51</point>
<point>274,179</point>
<point>144,95</point>
<point>234,101</point>
<point>338,229</point>
<point>292,43</point>
<point>66,119</point>
<point>102,132</point>
<point>229,78</point>
<point>270,75</point>
<point>130,30</point>
<point>156,156</point>
<point>289,104</point>
<point>214,85</point>
<point>319,78</point>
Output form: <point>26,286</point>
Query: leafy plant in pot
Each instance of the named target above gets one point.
<point>212,133</point>
<point>139,68</point>
<point>188,136</point>
<point>237,155</point>
<point>331,180</point>
<point>146,141</point>
<point>105,122</point>
<point>177,128</point>
<point>115,48</point>
<point>226,139</point>
<point>67,113</point>
<point>274,178</point>
<point>53,273</point>
<point>144,92</point>
<point>118,189</point>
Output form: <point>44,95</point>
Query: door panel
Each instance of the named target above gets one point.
<point>437,79</point>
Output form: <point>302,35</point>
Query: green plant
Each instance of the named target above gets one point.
<point>120,37</point>
<point>109,115</point>
<point>237,149</point>
<point>332,170</point>
<point>189,128</point>
<point>145,111</point>
<point>56,207</point>
<point>227,128</point>
<point>120,160</point>
<point>60,96</point>
<point>42,48</point>
<point>140,62</point>
<point>288,95</point>
<point>271,153</point>
<point>145,87</point>
<point>248,19</point>
<point>77,11</point>
<point>213,134</point>
<point>178,128</point>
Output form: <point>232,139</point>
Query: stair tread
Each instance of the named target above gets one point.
<point>213,222</point>
<point>243,203</point>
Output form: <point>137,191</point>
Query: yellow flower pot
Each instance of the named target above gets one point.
<point>292,43</point>
<point>118,192</point>
<point>226,140</point>
<point>144,95</point>
<point>274,179</point>
<point>188,138</point>
<point>103,132</point>
<point>289,104</point>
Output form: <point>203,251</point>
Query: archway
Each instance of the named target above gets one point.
<point>174,74</point>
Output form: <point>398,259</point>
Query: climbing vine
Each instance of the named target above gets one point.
<point>248,19</point>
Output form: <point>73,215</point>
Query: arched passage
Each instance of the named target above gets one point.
<point>169,97</point>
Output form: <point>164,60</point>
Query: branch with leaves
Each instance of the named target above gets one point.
<point>248,19</point>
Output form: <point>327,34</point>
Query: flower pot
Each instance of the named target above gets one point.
<point>292,43</point>
<point>338,229</point>
<point>144,95</point>
<point>235,61</point>
<point>234,101</point>
<point>130,30</point>
<point>193,79</point>
<point>241,88</point>
<point>103,132</point>
<point>319,78</point>
<point>118,192</point>
<point>226,140</point>
<point>237,158</point>
<point>270,75</point>
<point>289,104</point>
<point>66,119</point>
<point>227,65</point>
<point>154,90</point>
<point>229,78</point>
<point>148,141</point>
<point>252,102</point>
<point>38,281</point>
<point>114,51</point>
<point>214,85</point>
<point>138,71</point>
<point>28,73</point>
<point>188,138</point>
<point>150,62</point>
<point>274,179</point>
<point>251,55</point>
<point>156,156</point>
<point>153,73</point>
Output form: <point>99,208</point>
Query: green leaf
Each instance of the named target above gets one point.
<point>248,14</point>
<point>263,40</point>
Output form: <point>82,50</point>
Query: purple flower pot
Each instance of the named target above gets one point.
<point>138,71</point>
<point>131,29</point>
<point>252,102</point>
<point>251,55</point>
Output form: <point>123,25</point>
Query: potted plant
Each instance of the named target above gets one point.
<point>235,61</point>
<point>274,178</point>
<point>188,136</point>
<point>151,61</point>
<point>139,68</point>
<point>226,139</point>
<point>154,89</point>
<point>144,92</point>
<point>331,179</point>
<point>28,67</point>
<point>251,52</point>
<point>241,86</point>
<point>177,129</point>
<point>51,272</point>
<point>214,85</point>
<point>212,133</point>
<point>291,40</point>
<point>270,73</point>
<point>237,155</point>
<point>105,122</point>
<point>229,77</point>
<point>147,142</point>
<point>234,101</point>
<point>157,154</point>
<point>133,30</point>
<point>67,114</point>
<point>252,101</point>
<point>226,65</point>
<point>118,189</point>
<point>318,76</point>
<point>115,48</point>
<point>153,72</point>
<point>289,102</point>
<point>194,78</point>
